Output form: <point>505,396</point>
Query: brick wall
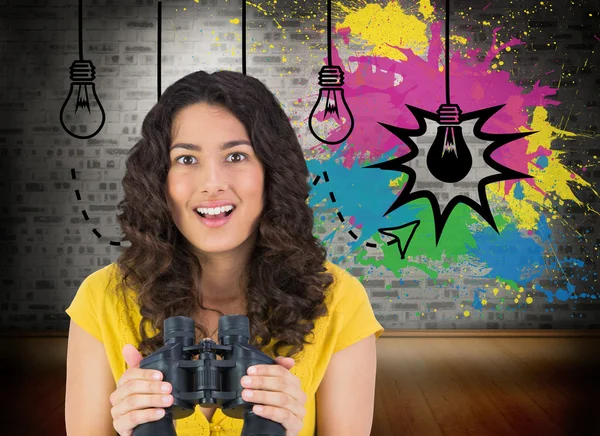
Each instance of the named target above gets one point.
<point>48,247</point>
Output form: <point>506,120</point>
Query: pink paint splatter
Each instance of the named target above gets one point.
<point>344,32</point>
<point>373,97</point>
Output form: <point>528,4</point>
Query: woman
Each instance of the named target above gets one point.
<point>215,210</point>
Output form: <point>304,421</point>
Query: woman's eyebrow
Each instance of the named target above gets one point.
<point>225,146</point>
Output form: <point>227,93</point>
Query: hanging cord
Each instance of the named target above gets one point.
<point>329,32</point>
<point>447,51</point>
<point>80,31</point>
<point>158,51</point>
<point>244,37</point>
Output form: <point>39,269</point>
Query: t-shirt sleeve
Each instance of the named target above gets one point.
<point>359,320</point>
<point>84,309</point>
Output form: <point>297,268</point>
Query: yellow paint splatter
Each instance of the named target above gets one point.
<point>258,7</point>
<point>467,313</point>
<point>484,302</point>
<point>398,182</point>
<point>495,291</point>
<point>235,21</point>
<point>375,27</point>
<point>554,182</point>
<point>459,39</point>
<point>529,300</point>
<point>426,9</point>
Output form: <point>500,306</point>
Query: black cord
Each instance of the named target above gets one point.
<point>329,32</point>
<point>244,37</point>
<point>447,51</point>
<point>159,51</point>
<point>80,31</point>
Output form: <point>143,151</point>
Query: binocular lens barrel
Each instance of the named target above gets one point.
<point>234,328</point>
<point>180,327</point>
<point>207,381</point>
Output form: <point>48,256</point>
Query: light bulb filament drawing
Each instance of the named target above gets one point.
<point>74,118</point>
<point>449,159</point>
<point>330,120</point>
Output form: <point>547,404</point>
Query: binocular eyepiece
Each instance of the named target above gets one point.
<point>207,381</point>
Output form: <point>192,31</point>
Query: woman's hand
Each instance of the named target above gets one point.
<point>279,393</point>
<point>140,396</point>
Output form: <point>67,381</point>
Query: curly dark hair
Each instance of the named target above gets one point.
<point>286,275</point>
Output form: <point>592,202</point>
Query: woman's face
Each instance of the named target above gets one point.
<point>215,182</point>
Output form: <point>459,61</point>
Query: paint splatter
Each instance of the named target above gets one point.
<point>402,63</point>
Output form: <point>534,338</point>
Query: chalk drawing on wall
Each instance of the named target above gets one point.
<point>511,255</point>
<point>441,208</point>
<point>519,246</point>
<point>397,235</point>
<point>330,120</point>
<point>82,115</point>
<point>158,88</point>
<point>85,215</point>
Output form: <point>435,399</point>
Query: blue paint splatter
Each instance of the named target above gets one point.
<point>542,161</point>
<point>361,193</point>
<point>562,295</point>
<point>476,300</point>
<point>518,193</point>
<point>510,255</point>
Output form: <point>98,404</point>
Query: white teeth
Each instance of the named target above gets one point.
<point>214,210</point>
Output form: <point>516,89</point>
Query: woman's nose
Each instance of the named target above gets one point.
<point>213,178</point>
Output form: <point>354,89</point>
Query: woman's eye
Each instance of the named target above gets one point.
<point>236,157</point>
<point>186,160</point>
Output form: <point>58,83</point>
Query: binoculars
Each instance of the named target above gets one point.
<point>207,381</point>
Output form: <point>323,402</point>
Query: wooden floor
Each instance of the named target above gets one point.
<point>426,385</point>
<point>487,386</point>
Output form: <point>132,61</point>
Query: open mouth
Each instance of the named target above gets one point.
<point>215,213</point>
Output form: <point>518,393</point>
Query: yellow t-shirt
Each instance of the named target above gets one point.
<point>350,319</point>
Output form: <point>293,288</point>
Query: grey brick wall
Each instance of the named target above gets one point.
<point>47,246</point>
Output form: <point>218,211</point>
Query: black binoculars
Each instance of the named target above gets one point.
<point>207,381</point>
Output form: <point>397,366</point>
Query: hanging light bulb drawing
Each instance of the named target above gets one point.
<point>449,158</point>
<point>82,115</point>
<point>330,120</point>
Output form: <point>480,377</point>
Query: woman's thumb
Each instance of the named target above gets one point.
<point>132,356</point>
<point>286,362</point>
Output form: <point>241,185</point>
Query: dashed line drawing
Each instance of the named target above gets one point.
<point>158,85</point>
<point>387,231</point>
<point>85,215</point>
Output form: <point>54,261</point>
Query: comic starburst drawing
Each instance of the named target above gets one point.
<point>455,167</point>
